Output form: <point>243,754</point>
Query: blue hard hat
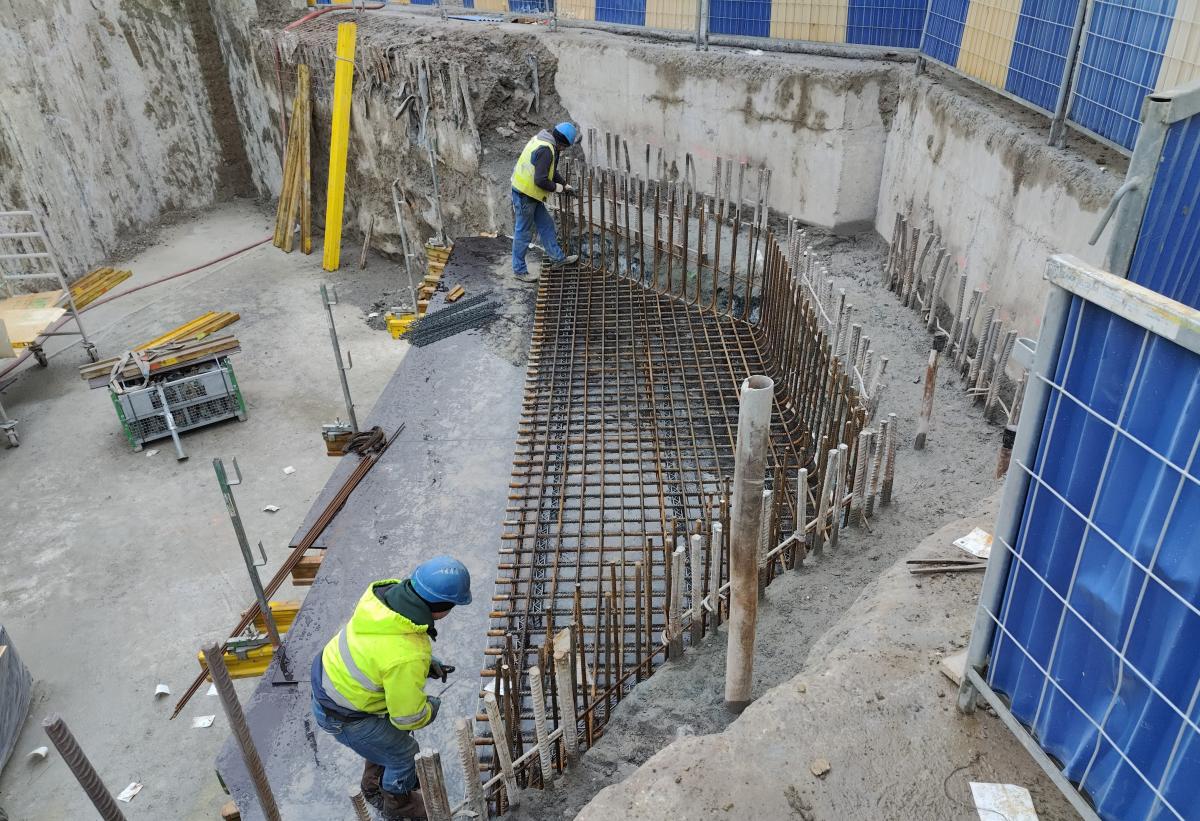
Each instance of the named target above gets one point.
<point>569,132</point>
<point>443,579</point>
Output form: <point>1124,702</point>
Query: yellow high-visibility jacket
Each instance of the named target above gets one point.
<point>378,663</point>
<point>523,172</point>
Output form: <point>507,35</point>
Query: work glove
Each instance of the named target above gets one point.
<point>435,704</point>
<point>439,670</point>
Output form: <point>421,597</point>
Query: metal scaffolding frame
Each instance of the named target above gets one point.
<point>26,256</point>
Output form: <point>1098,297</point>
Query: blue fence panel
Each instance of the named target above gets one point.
<point>944,30</point>
<point>895,23</point>
<point>626,12</point>
<point>1119,65</point>
<point>1039,53</point>
<point>1167,256</point>
<point>750,18</point>
<point>1096,643</point>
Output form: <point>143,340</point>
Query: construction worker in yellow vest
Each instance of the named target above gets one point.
<point>368,683</point>
<point>535,177</point>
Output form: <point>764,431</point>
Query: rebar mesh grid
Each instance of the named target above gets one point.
<point>627,431</point>
<point>618,511</point>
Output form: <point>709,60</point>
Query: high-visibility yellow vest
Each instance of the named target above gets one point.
<point>378,663</point>
<point>523,172</point>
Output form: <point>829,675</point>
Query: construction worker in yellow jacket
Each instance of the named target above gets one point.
<point>369,682</point>
<point>534,178</point>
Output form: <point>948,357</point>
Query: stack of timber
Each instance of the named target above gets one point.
<point>155,360</point>
<point>204,325</point>
<point>437,257</point>
<point>90,287</point>
<point>296,196</point>
<point>305,571</point>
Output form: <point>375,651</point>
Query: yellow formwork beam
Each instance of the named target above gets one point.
<point>339,144</point>
<point>255,661</point>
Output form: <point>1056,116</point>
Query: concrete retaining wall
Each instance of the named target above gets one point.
<point>818,123</point>
<point>104,119</point>
<point>1002,200</point>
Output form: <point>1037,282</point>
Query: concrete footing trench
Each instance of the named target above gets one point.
<point>805,217</point>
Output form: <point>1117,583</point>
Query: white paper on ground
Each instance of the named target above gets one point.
<point>1009,802</point>
<point>212,689</point>
<point>289,470</point>
<point>271,509</point>
<point>200,722</point>
<point>38,753</point>
<point>150,453</point>
<point>978,543</point>
<point>129,792</point>
<point>162,690</point>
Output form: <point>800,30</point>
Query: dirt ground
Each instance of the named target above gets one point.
<point>941,484</point>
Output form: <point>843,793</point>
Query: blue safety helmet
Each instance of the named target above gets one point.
<point>569,132</point>
<point>442,579</point>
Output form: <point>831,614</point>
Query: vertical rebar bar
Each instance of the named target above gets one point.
<point>889,474</point>
<point>935,351</point>
<point>839,493</point>
<point>241,731</point>
<point>538,696</point>
<point>801,549</point>
<point>675,628</point>
<point>433,785</point>
<point>862,457</point>
<point>563,660</point>
<point>476,802</point>
<point>75,759</point>
<point>500,745</point>
<point>697,563</point>
<point>827,492</point>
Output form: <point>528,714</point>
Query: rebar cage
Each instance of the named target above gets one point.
<point>617,529</point>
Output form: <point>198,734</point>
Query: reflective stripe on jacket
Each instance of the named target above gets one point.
<point>378,663</point>
<point>523,172</point>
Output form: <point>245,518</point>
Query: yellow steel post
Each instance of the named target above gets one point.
<point>339,143</point>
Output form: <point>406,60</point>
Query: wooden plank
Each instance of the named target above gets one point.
<point>305,571</point>
<point>25,325</point>
<point>177,353</point>
<point>204,325</point>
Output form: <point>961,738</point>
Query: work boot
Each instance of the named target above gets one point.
<point>561,264</point>
<point>409,806</point>
<point>526,276</point>
<point>370,781</point>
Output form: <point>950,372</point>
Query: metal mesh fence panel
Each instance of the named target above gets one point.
<point>1091,637</point>
<point>944,30</point>
<point>895,23</point>
<point>1039,51</point>
<point>1119,65</point>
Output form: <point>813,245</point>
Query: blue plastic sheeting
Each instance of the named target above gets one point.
<point>1039,53</point>
<point>749,18</point>
<point>1122,54</point>
<point>895,23</point>
<point>626,12</point>
<point>1132,386</point>
<point>1167,256</point>
<point>944,30</point>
